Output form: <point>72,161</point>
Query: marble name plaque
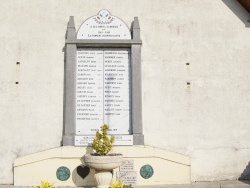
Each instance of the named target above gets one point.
<point>127,177</point>
<point>120,140</point>
<point>103,90</point>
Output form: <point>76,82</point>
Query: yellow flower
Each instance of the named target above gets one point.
<point>117,184</point>
<point>45,184</point>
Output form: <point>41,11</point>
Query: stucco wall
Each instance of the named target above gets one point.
<point>207,120</point>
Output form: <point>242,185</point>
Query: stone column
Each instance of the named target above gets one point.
<point>138,137</point>
<point>70,86</point>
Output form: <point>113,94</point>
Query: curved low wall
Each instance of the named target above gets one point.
<point>168,167</point>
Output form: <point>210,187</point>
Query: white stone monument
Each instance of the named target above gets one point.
<point>102,81</point>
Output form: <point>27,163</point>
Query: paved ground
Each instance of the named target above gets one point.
<point>221,184</point>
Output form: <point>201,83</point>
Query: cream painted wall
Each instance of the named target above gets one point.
<point>208,120</point>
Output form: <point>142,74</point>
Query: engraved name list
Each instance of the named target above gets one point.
<point>103,90</point>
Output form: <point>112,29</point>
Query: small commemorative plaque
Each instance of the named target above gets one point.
<point>84,140</point>
<point>120,140</point>
<point>123,140</point>
<point>127,177</point>
<point>127,165</point>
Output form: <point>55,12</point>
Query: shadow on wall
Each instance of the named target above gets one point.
<point>245,176</point>
<point>239,11</point>
<point>64,84</point>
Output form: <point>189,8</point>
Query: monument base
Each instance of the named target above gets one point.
<point>64,166</point>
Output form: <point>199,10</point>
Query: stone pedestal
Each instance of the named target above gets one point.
<point>103,165</point>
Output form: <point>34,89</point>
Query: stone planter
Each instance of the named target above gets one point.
<point>103,166</point>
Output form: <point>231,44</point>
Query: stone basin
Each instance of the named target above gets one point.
<point>107,162</point>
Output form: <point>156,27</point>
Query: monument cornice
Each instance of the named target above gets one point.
<point>103,42</point>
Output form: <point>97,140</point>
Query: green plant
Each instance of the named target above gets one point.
<point>45,184</point>
<point>102,143</point>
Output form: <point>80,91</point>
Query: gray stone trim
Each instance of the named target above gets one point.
<point>136,29</point>
<point>71,31</point>
<point>138,136</point>
<point>103,43</point>
<point>136,95</point>
<point>70,79</point>
<point>69,86</point>
<point>138,139</point>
